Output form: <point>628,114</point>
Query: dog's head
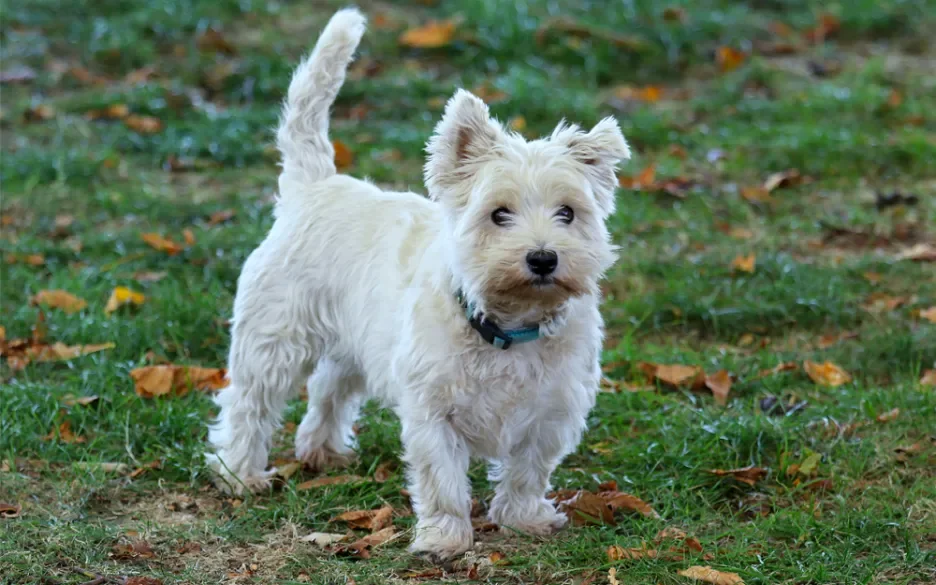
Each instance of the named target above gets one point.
<point>526,219</point>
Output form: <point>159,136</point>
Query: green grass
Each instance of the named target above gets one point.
<point>672,297</point>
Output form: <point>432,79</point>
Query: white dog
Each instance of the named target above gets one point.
<point>473,314</point>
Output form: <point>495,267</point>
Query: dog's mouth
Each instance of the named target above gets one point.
<point>543,281</point>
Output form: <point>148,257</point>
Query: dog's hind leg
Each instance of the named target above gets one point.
<point>265,370</point>
<point>325,438</point>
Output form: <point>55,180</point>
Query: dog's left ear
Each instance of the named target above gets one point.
<point>466,136</point>
<point>600,150</point>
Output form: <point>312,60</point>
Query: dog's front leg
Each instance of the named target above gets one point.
<point>437,467</point>
<point>523,478</point>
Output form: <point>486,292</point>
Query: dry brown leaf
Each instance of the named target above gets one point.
<point>880,302</point>
<point>922,252</point>
<point>786,178</point>
<point>828,25</point>
<point>59,351</point>
<point>72,400</point>
<point>588,508</point>
<point>517,123</point>
<point>39,113</point>
<point>382,519</point>
<point>139,549</point>
<point>617,553</point>
<point>30,259</point>
<point>647,93</point>
<point>111,112</point>
<point>432,35</point>
<point>149,276</point>
<point>929,378</point>
<point>673,533</point>
<point>212,41</point>
<point>720,385</point>
<point>188,236</point>
<point>744,263</point>
<point>643,180</point>
<point>829,340</point>
<point>332,480</point>
<point>710,575</point>
<point>612,577</point>
<point>383,472</point>
<point>826,374</point>
<point>59,299</point>
<point>162,244</point>
<point>9,510</point>
<point>344,158</point>
<point>888,416</point>
<point>729,58</point>
<point>123,296</point>
<point>220,216</point>
<point>749,475</point>
<point>929,314</point>
<point>676,375</point>
<point>361,548</point>
<point>140,580</point>
<point>153,381</point>
<point>143,124</point>
<point>64,433</point>
<point>154,464</point>
<point>357,518</point>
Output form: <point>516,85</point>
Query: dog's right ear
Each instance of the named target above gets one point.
<point>464,137</point>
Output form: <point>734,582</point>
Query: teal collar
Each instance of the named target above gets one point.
<point>493,334</point>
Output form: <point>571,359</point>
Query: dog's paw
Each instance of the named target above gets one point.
<point>442,539</point>
<point>323,458</point>
<point>238,484</point>
<point>540,519</point>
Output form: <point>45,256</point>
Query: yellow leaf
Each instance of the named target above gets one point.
<point>158,242</point>
<point>929,314</point>
<point>152,381</point>
<point>675,374</point>
<point>647,93</point>
<point>59,299</point>
<point>344,158</point>
<point>749,475</point>
<point>756,194</point>
<point>617,553</point>
<point>744,263</point>
<point>518,123</point>
<point>65,434</point>
<point>189,237</point>
<point>710,575</point>
<point>58,351</point>
<point>121,296</point>
<point>642,181</point>
<point>729,58</point>
<point>888,416</point>
<point>826,374</point>
<point>111,112</point>
<point>432,35</point>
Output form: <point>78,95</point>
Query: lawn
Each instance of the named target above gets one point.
<point>779,210</point>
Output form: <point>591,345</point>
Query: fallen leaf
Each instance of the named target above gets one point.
<point>488,93</point>
<point>359,518</point>
<point>383,472</point>
<point>517,123</point>
<point>30,259</point>
<point>648,93</point>
<point>720,385</point>
<point>143,124</point>
<point>612,577</point>
<point>808,466</point>
<point>676,375</point>
<point>744,263</point>
<point>432,35</point>
<point>929,378</point>
<point>922,252</point>
<point>9,510</point>
<point>756,194</point>
<point>105,466</point>
<point>929,314</point>
<point>59,351</point>
<point>324,539</point>
<point>154,464</point>
<point>220,216</point>
<point>786,178</point>
<point>344,158</point>
<point>59,299</point>
<point>588,508</point>
<point>828,25</point>
<point>617,553</point>
<point>122,296</point>
<point>749,475</point>
<point>826,374</point>
<point>64,433</point>
<point>162,244</point>
<point>621,501</point>
<point>149,276</point>
<point>138,580</point>
<point>888,416</point>
<point>188,236</point>
<point>881,302</point>
<point>361,548</point>
<point>642,181</point>
<point>382,519</point>
<point>212,41</point>
<point>427,574</point>
<point>710,575</point>
<point>153,381</point>
<point>72,400</point>
<point>829,340</point>
<point>673,533</point>
<point>729,58</point>
<point>333,480</point>
<point>39,113</point>
<point>111,112</point>
<point>139,549</point>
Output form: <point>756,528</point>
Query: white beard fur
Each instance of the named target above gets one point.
<point>355,289</point>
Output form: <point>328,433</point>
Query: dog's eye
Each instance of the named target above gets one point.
<point>565,214</point>
<point>500,216</point>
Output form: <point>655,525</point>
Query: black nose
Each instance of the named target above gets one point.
<point>542,262</point>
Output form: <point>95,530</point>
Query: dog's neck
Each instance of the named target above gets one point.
<point>517,314</point>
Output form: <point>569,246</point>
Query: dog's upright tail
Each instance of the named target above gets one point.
<point>302,137</point>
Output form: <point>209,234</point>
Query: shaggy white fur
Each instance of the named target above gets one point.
<point>356,287</point>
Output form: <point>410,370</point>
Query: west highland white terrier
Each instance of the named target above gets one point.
<point>473,313</point>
